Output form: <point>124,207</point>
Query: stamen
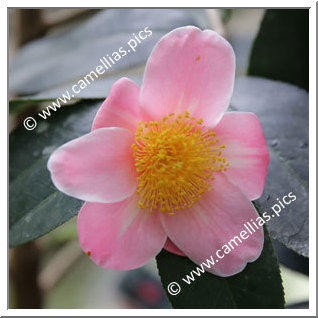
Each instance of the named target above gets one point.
<point>175,160</point>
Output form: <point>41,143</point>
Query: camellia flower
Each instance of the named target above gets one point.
<point>164,166</point>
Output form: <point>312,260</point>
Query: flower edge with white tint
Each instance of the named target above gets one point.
<point>164,166</point>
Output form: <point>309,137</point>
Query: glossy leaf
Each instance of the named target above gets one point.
<point>259,285</point>
<point>281,48</point>
<point>283,112</point>
<point>36,206</point>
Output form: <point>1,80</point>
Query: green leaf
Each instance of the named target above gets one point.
<point>283,112</point>
<point>281,49</point>
<point>18,105</point>
<point>259,285</point>
<point>36,206</point>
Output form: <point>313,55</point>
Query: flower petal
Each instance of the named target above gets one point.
<point>172,248</point>
<point>246,150</point>
<point>120,108</point>
<point>211,223</point>
<point>192,70</point>
<point>119,235</point>
<point>97,167</point>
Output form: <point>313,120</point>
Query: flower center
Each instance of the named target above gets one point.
<point>175,160</point>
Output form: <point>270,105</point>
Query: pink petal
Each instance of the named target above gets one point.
<point>119,235</point>
<point>211,223</point>
<point>246,150</point>
<point>192,70</point>
<point>97,167</point>
<point>172,248</point>
<point>121,107</point>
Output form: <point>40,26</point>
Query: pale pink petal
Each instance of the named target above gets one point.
<point>191,70</point>
<point>246,151</point>
<point>211,223</point>
<point>119,235</point>
<point>97,167</point>
<point>121,107</point>
<point>172,248</point>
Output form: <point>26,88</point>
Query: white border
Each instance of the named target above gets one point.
<point>312,165</point>
<point>166,3</point>
<point>312,159</point>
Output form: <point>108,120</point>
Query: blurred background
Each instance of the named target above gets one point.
<point>50,49</point>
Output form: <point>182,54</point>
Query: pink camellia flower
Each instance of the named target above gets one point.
<point>164,166</point>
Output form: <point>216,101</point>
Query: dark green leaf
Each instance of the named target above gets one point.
<point>259,285</point>
<point>283,112</point>
<point>281,49</point>
<point>36,206</point>
<point>18,105</point>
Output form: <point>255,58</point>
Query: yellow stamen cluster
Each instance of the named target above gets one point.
<point>175,160</point>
